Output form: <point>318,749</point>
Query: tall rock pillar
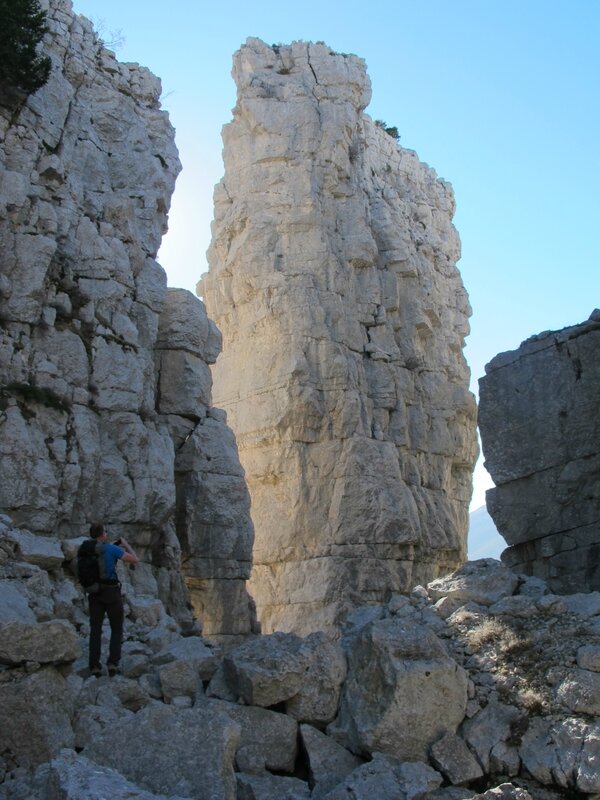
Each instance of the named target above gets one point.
<point>333,280</point>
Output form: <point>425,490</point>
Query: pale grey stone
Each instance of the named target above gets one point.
<point>588,657</point>
<point>317,700</point>
<point>44,642</point>
<point>194,650</point>
<point>543,452</point>
<point>36,716</point>
<point>14,603</point>
<point>219,687</point>
<point>583,604</point>
<point>487,728</point>
<point>402,691</point>
<point>267,670</point>
<point>71,775</point>
<point>356,379</point>
<point>506,791</point>
<point>580,691</point>
<point>387,778</point>
<point>563,752</point>
<point>270,787</point>
<point>145,746</point>
<point>451,756</point>
<point>42,551</point>
<point>179,678</point>
<point>485,582</point>
<point>329,763</point>
<point>273,735</point>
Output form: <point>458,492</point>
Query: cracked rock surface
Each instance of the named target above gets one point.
<point>540,432</point>
<point>105,387</point>
<point>333,281</point>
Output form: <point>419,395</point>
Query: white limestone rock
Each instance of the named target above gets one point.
<point>267,670</point>
<point>563,752</point>
<point>485,581</point>
<point>332,278</point>
<point>42,551</point>
<point>145,747</point>
<point>270,787</point>
<point>491,726</point>
<point>36,716</point>
<point>402,691</point>
<point>317,700</point>
<point>272,736</point>
<point>388,778</point>
<point>76,777</point>
<point>542,448</point>
<point>54,642</point>
<point>213,506</point>
<point>451,756</point>
<point>329,763</point>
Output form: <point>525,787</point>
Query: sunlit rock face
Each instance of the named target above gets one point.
<point>540,432</point>
<point>91,409</point>
<point>333,281</point>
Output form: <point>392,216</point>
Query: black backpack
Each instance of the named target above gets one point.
<point>90,565</point>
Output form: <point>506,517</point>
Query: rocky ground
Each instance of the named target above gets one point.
<point>481,684</point>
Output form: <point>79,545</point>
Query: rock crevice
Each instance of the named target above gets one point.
<point>333,280</point>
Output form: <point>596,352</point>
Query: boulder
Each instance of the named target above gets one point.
<point>387,778</point>
<point>193,650</point>
<point>563,752</point>
<point>42,551</point>
<point>488,728</point>
<point>317,700</point>
<point>36,716</point>
<point>580,691</point>
<point>267,670</point>
<point>451,756</point>
<point>272,736</point>
<point>71,775</point>
<point>270,787</point>
<point>160,748</point>
<point>45,642</point>
<point>402,692</point>
<point>485,581</point>
<point>328,762</point>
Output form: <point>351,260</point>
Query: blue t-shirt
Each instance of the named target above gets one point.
<point>112,553</point>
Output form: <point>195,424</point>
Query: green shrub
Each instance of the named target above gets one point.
<point>391,130</point>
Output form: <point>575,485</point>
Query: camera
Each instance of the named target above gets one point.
<point>118,542</point>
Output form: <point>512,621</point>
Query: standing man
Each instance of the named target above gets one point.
<point>108,600</point>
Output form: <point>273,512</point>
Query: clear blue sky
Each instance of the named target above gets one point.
<point>502,98</point>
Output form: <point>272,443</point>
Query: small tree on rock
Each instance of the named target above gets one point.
<point>22,26</point>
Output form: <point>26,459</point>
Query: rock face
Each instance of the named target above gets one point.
<point>105,388</point>
<point>333,280</point>
<point>540,433</point>
<point>460,684</point>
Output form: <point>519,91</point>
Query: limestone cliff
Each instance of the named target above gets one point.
<point>91,410</point>
<point>540,433</point>
<point>333,280</point>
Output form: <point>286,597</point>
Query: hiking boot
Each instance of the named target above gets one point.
<point>96,672</point>
<point>113,669</point>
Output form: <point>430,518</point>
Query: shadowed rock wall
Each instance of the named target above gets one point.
<point>540,433</point>
<point>333,280</point>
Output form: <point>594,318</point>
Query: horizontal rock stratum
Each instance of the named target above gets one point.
<point>540,432</point>
<point>333,281</point>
